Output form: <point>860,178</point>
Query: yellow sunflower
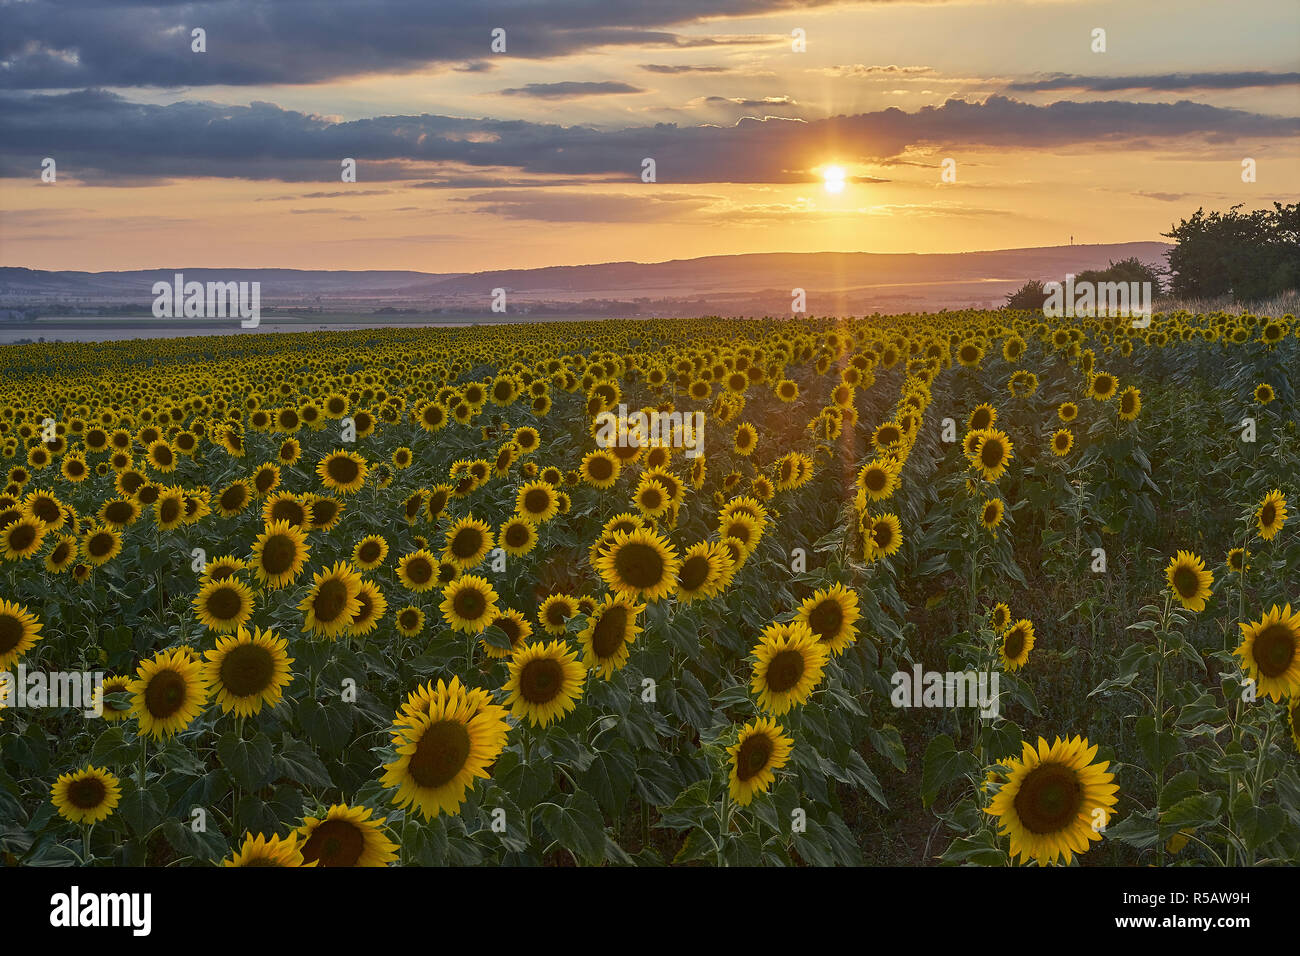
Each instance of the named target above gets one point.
<point>467,542</point>
<point>346,836</point>
<point>1189,580</point>
<point>641,564</point>
<point>831,614</point>
<point>882,536</point>
<point>168,692</point>
<point>991,514</point>
<point>248,670</point>
<point>342,471</point>
<point>706,569</point>
<point>260,851</point>
<point>1271,514</point>
<point>761,749</point>
<point>545,682</point>
<point>609,634</point>
<point>418,571</point>
<point>21,538</point>
<point>332,603</point>
<point>788,665</point>
<point>442,752</point>
<point>279,554</point>
<point>1270,652</point>
<point>86,796</point>
<point>1017,642</point>
<point>468,604</point>
<point>537,501</point>
<point>20,629</point>
<point>1052,800</point>
<point>370,552</point>
<point>1062,442</point>
<point>517,536</point>
<point>224,606</point>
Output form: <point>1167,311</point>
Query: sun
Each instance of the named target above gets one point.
<point>833,177</point>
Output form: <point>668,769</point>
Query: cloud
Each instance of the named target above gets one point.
<point>1163,197</point>
<point>752,101</point>
<point>553,206</point>
<point>71,44</point>
<point>890,71</point>
<point>1164,81</point>
<point>571,90</point>
<point>676,70</point>
<point>96,135</point>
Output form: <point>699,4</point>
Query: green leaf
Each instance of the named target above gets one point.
<point>249,761</point>
<point>942,764</point>
<point>577,826</point>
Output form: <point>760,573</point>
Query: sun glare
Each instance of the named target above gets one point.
<point>833,178</point>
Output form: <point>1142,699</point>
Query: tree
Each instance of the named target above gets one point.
<point>1131,269</point>
<point>1253,255</point>
<point>1029,296</point>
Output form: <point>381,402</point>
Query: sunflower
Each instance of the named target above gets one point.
<point>101,545</point>
<point>467,542</point>
<point>1067,412</point>
<point>169,508</point>
<point>285,506</point>
<point>373,607</point>
<point>369,552</point>
<point>279,554</point>
<point>226,566</point>
<point>609,634</point>
<point>86,796</point>
<point>342,471</point>
<point>1062,442</point>
<point>1017,642</point>
<point>788,665</point>
<point>761,749</point>
<point>1047,803</point>
<point>168,692</point>
<point>224,606</point>
<point>882,534</point>
<point>110,711</point>
<point>346,836</point>
<point>261,851</point>
<point>418,571</point>
<point>440,753</point>
<point>21,538</point>
<point>831,614</point>
<point>706,569</point>
<point>1270,652</point>
<point>517,536</point>
<point>991,514</point>
<point>1102,386</point>
<point>248,670</point>
<point>993,451</point>
<point>468,604</point>
<point>333,601</point>
<point>515,627</point>
<point>1130,403</point>
<point>1264,393</point>
<point>19,630</point>
<point>555,610</point>
<point>545,682</point>
<point>600,468</point>
<point>1189,580</point>
<point>640,564</point>
<point>1238,560</point>
<point>161,456</point>
<point>410,621</point>
<point>1000,618</point>
<point>537,502</point>
<point>651,497</point>
<point>1271,514</point>
<point>981,417</point>
<point>878,479</point>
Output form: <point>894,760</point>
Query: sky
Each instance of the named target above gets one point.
<point>773,126</point>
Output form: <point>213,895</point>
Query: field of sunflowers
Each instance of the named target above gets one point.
<point>385,597</point>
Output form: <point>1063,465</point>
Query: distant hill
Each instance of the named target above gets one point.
<point>834,282</point>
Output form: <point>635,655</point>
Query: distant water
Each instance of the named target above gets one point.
<point>88,329</point>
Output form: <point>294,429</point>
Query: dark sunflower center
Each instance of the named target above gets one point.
<point>21,537</point>
<point>1048,799</point>
<point>610,631</point>
<point>825,620</point>
<point>278,554</point>
<point>784,670</point>
<point>1015,645</point>
<point>753,756</point>
<point>1268,514</point>
<point>369,552</point>
<point>419,570</point>
<point>233,498</point>
<point>166,694</point>
<point>694,573</point>
<point>537,501</point>
<point>409,620</point>
<point>343,469</point>
<point>331,599</point>
<point>467,543</point>
<point>87,793</point>
<point>247,670</point>
<point>517,535</point>
<point>1186,581</point>
<point>875,479</point>
<point>469,604</point>
<point>540,680</point>
<point>882,534</point>
<point>991,453</point>
<point>169,510</point>
<point>639,565</point>
<point>1275,649</point>
<point>334,843</point>
<point>100,544</point>
<point>225,604</point>
<point>11,632</point>
<point>60,552</point>
<point>441,754</point>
